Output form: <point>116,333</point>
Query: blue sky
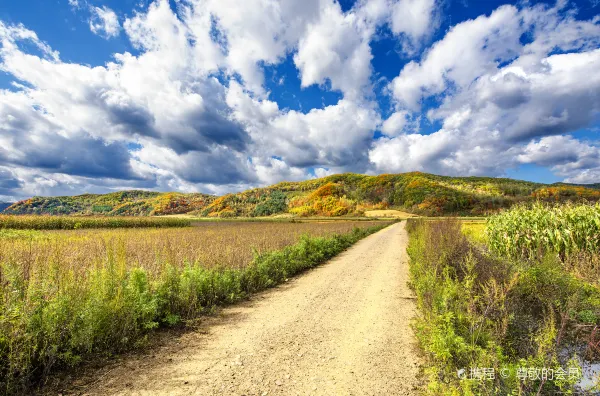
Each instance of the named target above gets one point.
<point>218,95</point>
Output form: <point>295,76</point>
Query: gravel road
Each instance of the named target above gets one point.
<point>340,329</point>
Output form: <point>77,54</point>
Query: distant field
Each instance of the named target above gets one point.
<point>33,222</point>
<point>69,294</point>
<point>283,218</point>
<point>230,244</point>
<point>389,213</point>
<point>474,230</point>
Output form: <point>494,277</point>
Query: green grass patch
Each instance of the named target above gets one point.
<point>474,231</point>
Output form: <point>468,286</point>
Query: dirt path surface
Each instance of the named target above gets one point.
<point>340,329</point>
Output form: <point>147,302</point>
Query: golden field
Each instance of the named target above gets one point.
<point>209,244</point>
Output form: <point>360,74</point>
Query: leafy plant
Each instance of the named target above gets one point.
<point>527,230</point>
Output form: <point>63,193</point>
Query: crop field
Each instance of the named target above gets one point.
<point>74,223</point>
<point>566,229</point>
<point>210,245</point>
<point>515,294</point>
<point>70,294</point>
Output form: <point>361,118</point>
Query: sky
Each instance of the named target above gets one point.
<point>218,96</point>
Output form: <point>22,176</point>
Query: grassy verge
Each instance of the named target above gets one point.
<point>479,312</point>
<point>74,223</point>
<point>58,318</point>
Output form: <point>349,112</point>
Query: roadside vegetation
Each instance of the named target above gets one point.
<point>518,294</point>
<point>67,296</point>
<point>337,195</point>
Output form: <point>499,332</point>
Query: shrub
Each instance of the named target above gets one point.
<point>303,211</point>
<point>276,203</point>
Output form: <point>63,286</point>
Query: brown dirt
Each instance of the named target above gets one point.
<point>340,329</point>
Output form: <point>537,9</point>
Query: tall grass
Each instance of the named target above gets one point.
<point>527,230</point>
<point>69,295</point>
<point>74,223</point>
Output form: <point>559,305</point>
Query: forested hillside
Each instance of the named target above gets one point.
<point>337,195</point>
<point>123,203</point>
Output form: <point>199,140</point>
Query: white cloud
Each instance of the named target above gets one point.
<point>556,150</point>
<point>162,98</point>
<point>498,95</point>
<point>577,161</point>
<point>258,31</point>
<point>336,48</point>
<point>104,22</point>
<point>414,20</point>
<point>413,152</point>
<point>335,136</point>
<point>273,170</point>
<point>398,123</point>
<point>467,51</point>
<point>189,131</point>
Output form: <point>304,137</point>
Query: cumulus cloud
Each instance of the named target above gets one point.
<point>337,135</point>
<point>162,118</point>
<point>336,48</point>
<point>103,21</point>
<point>414,21</point>
<point>400,122</point>
<point>577,161</point>
<point>273,170</point>
<point>76,120</point>
<point>258,31</point>
<point>501,100</point>
<point>467,51</point>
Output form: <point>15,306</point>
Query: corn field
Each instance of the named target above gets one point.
<point>566,229</point>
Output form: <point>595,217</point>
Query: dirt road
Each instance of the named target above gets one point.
<point>340,329</point>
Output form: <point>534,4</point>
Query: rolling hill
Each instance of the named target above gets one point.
<point>123,203</point>
<point>336,195</point>
<point>4,205</point>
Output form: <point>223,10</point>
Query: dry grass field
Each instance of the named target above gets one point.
<point>209,244</point>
